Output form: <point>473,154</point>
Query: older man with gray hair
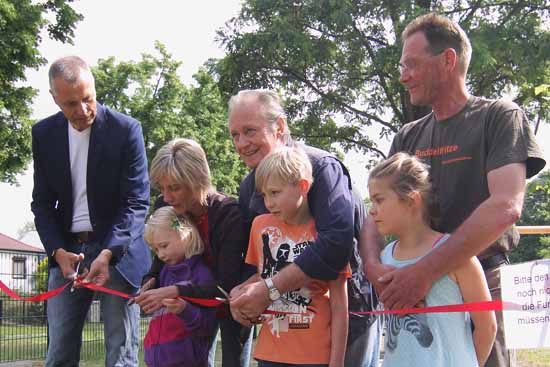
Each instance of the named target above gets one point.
<point>258,125</point>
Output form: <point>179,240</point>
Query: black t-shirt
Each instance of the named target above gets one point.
<point>462,150</point>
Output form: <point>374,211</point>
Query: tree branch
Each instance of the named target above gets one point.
<point>349,140</point>
<point>335,100</point>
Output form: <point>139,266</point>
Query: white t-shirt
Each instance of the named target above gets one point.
<point>79,141</point>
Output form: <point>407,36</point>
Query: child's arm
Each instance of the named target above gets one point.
<point>473,286</point>
<point>151,300</point>
<point>338,320</point>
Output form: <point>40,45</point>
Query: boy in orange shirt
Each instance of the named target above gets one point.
<point>311,328</point>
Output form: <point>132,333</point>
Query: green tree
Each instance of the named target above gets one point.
<point>21,23</point>
<point>536,212</point>
<point>27,227</point>
<point>336,60</point>
<point>152,92</point>
<point>40,277</point>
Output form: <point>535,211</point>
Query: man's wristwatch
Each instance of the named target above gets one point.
<point>273,292</point>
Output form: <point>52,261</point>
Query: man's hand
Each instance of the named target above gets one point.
<point>174,305</point>
<point>405,287</point>
<point>237,291</point>
<point>248,302</point>
<point>374,271</point>
<point>152,300</point>
<point>67,262</point>
<point>99,269</point>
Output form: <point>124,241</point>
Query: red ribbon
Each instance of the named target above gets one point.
<point>496,305</point>
<point>99,288</point>
<point>206,302</point>
<point>46,295</point>
<point>37,298</point>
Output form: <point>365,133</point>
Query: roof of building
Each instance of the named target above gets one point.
<point>11,244</point>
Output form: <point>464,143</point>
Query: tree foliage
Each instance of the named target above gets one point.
<point>40,276</point>
<point>151,91</point>
<point>536,212</point>
<point>21,22</point>
<point>27,227</point>
<point>336,60</point>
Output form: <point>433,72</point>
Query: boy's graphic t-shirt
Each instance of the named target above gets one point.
<point>301,333</point>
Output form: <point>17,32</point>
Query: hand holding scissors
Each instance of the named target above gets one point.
<point>75,275</point>
<point>225,294</point>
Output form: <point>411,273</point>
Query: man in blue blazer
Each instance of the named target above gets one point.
<point>90,198</point>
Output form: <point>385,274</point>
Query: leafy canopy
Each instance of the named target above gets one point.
<point>21,22</point>
<point>151,91</point>
<point>336,60</point>
<point>536,212</point>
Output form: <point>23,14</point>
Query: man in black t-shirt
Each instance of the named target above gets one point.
<point>480,152</point>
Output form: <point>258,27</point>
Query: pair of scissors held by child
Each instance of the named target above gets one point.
<point>151,282</point>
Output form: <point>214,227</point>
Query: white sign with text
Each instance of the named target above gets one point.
<point>526,296</point>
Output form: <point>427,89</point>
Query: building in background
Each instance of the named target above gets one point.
<point>18,262</point>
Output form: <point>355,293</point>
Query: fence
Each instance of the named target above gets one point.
<point>23,327</point>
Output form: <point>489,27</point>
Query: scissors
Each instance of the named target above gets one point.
<point>75,276</point>
<point>146,286</point>
<point>225,294</point>
<point>77,268</point>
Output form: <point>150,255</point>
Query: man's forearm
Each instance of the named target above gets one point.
<point>370,242</point>
<point>484,226</point>
<point>290,278</point>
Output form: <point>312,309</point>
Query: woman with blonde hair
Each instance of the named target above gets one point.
<point>181,173</point>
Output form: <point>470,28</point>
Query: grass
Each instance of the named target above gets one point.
<point>96,359</point>
<point>29,343</point>
<point>533,357</point>
<point>24,342</point>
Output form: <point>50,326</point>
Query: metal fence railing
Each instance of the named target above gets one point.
<point>534,230</point>
<point>23,325</point>
<point>23,331</point>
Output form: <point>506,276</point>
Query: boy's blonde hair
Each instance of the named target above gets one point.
<point>285,164</point>
<point>184,162</point>
<point>166,219</point>
<point>405,174</point>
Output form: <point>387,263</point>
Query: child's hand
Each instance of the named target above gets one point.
<point>151,300</point>
<point>174,305</point>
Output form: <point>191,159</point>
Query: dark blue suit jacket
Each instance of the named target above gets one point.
<point>117,186</point>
